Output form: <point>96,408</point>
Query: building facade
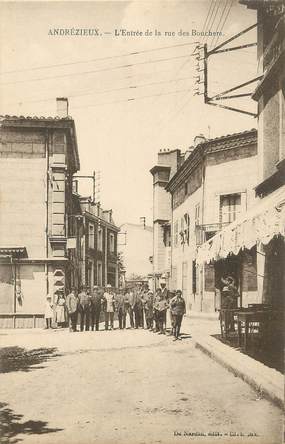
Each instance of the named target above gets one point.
<point>213,186</point>
<point>259,233</point>
<point>167,164</point>
<point>98,246</point>
<point>38,157</point>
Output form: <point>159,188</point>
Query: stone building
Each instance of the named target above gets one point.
<point>38,157</point>
<point>98,245</point>
<point>259,233</point>
<point>211,188</point>
<point>167,163</point>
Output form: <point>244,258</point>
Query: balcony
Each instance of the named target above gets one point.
<point>206,231</point>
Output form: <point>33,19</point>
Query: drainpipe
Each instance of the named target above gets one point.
<point>106,255</point>
<point>47,206</point>
<point>202,223</point>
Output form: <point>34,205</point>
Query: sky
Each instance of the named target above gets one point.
<point>99,74</point>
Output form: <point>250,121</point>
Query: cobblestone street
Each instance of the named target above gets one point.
<point>127,386</point>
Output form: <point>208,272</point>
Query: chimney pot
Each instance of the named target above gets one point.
<point>62,106</point>
<point>199,139</point>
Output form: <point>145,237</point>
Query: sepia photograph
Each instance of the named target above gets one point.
<point>142,221</point>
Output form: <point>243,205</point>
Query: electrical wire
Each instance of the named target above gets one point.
<point>210,18</point>
<point>131,99</point>
<point>58,65</point>
<point>206,21</point>
<point>219,23</point>
<point>48,99</point>
<point>60,76</point>
<point>213,21</point>
<point>225,20</point>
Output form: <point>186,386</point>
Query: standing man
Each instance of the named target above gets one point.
<point>161,307</point>
<point>72,306</point>
<point>138,310</point>
<point>121,310</point>
<point>96,302</point>
<point>148,310</point>
<point>165,296</point>
<point>178,309</point>
<point>155,309</point>
<point>84,305</point>
<point>109,306</point>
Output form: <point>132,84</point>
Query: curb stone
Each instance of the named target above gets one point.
<point>243,367</point>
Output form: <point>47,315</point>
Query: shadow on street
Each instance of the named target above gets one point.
<point>10,426</point>
<point>14,359</point>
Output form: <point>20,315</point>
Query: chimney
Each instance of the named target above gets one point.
<point>62,107</point>
<point>199,139</point>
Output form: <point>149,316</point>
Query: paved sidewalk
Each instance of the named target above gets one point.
<point>267,381</point>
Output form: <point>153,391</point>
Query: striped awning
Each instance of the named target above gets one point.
<point>260,224</point>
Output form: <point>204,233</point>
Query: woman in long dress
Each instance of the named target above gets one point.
<point>60,309</point>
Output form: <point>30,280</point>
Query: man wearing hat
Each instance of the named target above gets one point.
<point>121,308</point>
<point>72,306</point>
<point>178,309</point>
<point>165,296</point>
<point>95,309</point>
<point>109,307</point>
<point>84,305</point>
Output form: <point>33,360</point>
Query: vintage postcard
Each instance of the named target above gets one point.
<point>142,221</point>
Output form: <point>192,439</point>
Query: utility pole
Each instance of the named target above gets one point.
<point>95,177</point>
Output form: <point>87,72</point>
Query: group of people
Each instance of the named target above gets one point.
<point>140,306</point>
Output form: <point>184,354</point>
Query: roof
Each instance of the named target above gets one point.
<point>14,251</point>
<point>146,228</point>
<point>254,4</point>
<point>9,117</point>
<point>45,122</point>
<point>227,142</point>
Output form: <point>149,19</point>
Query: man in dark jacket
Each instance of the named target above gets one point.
<point>96,302</point>
<point>138,309</point>
<point>178,309</point>
<point>84,305</point>
<point>160,306</point>
<point>122,314</point>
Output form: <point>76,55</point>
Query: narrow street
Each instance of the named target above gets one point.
<point>128,386</point>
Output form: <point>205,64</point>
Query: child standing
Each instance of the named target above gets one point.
<point>48,312</point>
